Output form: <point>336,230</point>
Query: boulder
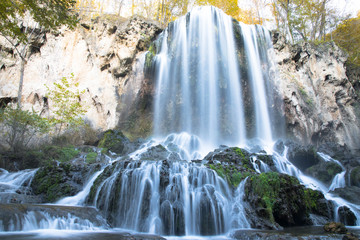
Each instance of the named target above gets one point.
<point>279,199</point>
<point>335,227</point>
<point>346,216</point>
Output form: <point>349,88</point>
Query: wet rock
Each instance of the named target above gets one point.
<point>56,181</point>
<point>156,153</point>
<point>229,155</point>
<point>296,233</point>
<point>324,171</point>
<point>115,141</point>
<point>350,193</point>
<point>335,227</point>
<point>279,199</point>
<point>346,216</point>
<point>355,176</point>
<point>302,157</point>
<point>350,236</point>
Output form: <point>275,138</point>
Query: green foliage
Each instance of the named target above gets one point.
<point>66,103</point>
<point>91,157</point>
<point>61,154</point>
<point>20,126</point>
<point>347,36</point>
<point>305,20</point>
<point>48,14</point>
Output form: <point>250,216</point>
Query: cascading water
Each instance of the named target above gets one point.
<point>202,71</point>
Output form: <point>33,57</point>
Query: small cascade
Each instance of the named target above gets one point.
<point>339,179</point>
<point>42,220</point>
<point>79,199</point>
<point>12,181</point>
<point>27,217</point>
<point>238,217</point>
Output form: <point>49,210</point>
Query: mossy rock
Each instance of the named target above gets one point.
<point>355,176</point>
<point>114,141</point>
<point>108,171</point>
<point>231,155</point>
<point>281,199</point>
<point>324,171</point>
<point>53,182</point>
<point>234,175</point>
<point>91,157</point>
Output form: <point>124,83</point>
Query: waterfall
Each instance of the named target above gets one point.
<point>169,198</point>
<point>202,71</point>
<point>213,85</point>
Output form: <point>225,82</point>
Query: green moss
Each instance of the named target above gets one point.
<point>218,169</point>
<point>91,157</point>
<point>150,56</point>
<point>311,199</point>
<point>61,154</point>
<point>113,140</point>
<point>267,186</point>
<point>245,158</point>
<point>228,172</point>
<point>51,182</point>
<point>104,175</point>
<point>355,177</point>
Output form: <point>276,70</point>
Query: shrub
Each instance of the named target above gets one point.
<point>19,127</point>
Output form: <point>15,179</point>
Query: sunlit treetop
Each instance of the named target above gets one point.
<point>49,14</point>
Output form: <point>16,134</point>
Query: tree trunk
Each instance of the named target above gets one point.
<point>21,82</point>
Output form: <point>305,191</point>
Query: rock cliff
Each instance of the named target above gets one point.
<point>320,103</point>
<point>103,55</point>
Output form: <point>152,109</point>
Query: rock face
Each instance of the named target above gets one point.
<point>319,99</point>
<point>103,55</point>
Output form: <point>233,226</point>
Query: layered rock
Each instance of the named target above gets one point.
<point>103,55</point>
<point>319,99</point>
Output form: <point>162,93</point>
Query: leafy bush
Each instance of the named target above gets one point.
<point>19,127</point>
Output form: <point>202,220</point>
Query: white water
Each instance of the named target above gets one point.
<point>198,82</point>
<point>79,199</point>
<point>15,180</point>
<point>238,218</point>
<point>35,220</point>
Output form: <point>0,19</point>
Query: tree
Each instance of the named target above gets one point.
<point>231,7</point>
<point>347,36</point>
<point>16,26</point>
<point>306,20</point>
<point>66,103</point>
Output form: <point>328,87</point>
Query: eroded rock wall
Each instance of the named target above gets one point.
<point>320,103</point>
<point>102,54</point>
